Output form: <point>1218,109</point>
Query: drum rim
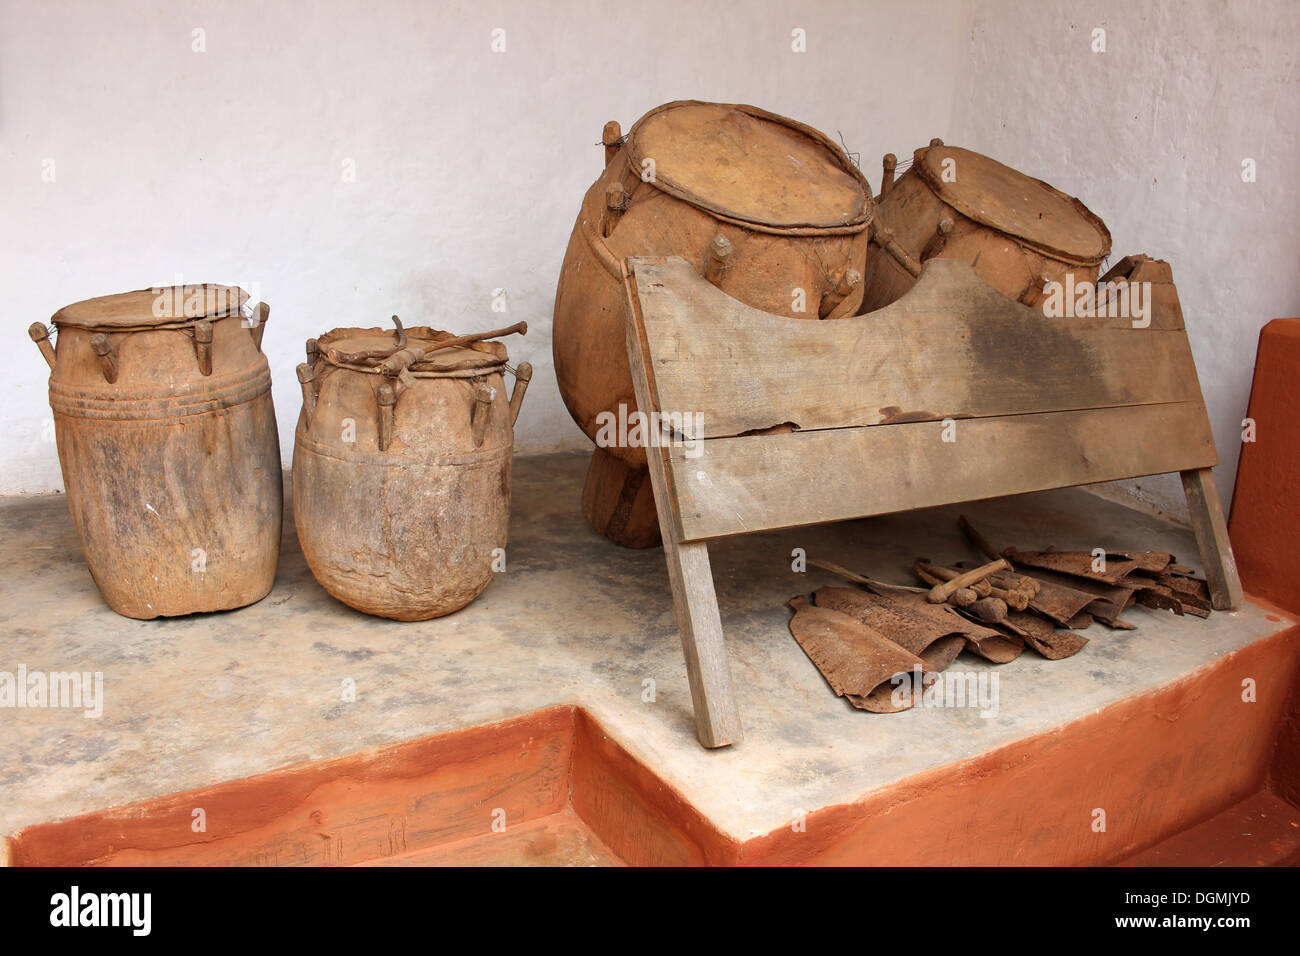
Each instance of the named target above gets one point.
<point>855,224</point>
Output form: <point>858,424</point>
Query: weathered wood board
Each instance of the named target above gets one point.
<point>952,393</point>
<point>758,483</point>
<point>951,348</point>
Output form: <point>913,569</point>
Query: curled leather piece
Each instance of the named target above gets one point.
<point>936,642</point>
<point>869,669</point>
<point>1042,635</point>
<point>990,644</point>
<point>1118,564</point>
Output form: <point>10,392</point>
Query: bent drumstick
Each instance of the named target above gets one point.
<point>395,363</point>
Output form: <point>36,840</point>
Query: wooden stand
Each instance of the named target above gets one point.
<point>953,393</point>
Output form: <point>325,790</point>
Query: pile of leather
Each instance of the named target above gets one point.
<point>863,638</point>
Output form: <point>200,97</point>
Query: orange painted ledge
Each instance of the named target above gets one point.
<point>552,787</point>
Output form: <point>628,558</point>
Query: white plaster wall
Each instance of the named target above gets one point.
<point>227,165</point>
<point>1151,135</point>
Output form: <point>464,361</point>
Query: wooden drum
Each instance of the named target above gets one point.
<point>167,440</point>
<point>1018,233</point>
<point>401,469</point>
<point>769,210</point>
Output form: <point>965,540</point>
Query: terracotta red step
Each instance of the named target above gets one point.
<point>1262,830</point>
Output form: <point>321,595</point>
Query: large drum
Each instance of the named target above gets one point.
<point>770,210</point>
<point>1018,233</point>
<point>401,469</point>
<point>167,439</point>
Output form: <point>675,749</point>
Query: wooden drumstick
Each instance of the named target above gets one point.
<point>940,593</point>
<point>962,597</point>
<point>1015,597</point>
<point>940,574</point>
<point>856,578</point>
<point>990,610</point>
<point>407,357</point>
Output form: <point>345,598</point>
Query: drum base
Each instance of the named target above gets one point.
<point>617,501</point>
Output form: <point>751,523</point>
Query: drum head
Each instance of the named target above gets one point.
<point>750,166</point>
<point>1007,200</point>
<point>162,305</point>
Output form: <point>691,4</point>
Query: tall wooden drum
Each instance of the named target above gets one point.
<point>167,440</point>
<point>769,210</point>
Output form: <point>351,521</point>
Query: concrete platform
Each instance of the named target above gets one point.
<point>194,702</point>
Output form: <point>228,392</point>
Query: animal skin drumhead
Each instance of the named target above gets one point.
<point>146,307</point>
<point>750,165</point>
<point>1007,200</point>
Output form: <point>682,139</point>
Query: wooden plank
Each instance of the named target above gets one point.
<point>952,347</point>
<point>756,483</point>
<point>1212,538</point>
<point>717,719</point>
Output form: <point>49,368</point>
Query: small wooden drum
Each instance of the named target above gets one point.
<point>1018,233</point>
<point>401,469</point>
<point>167,440</point>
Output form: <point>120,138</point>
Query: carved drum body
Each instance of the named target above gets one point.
<point>1018,233</point>
<point>772,211</point>
<point>167,440</point>
<point>401,483</point>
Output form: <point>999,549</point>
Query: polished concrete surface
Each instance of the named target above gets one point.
<point>194,701</point>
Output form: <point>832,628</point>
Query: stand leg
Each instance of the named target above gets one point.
<point>717,719</point>
<point>1212,538</point>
